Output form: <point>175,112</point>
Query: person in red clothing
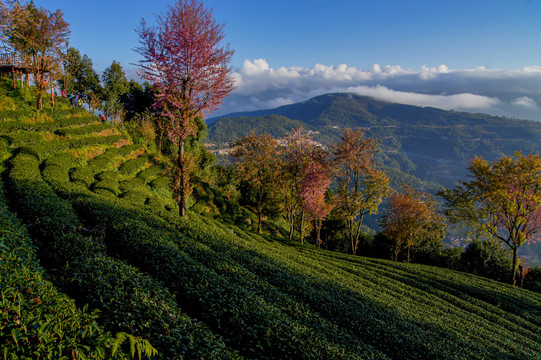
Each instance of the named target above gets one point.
<point>102,118</point>
<point>64,93</point>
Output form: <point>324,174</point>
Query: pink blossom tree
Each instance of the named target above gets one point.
<point>184,59</point>
<point>314,185</point>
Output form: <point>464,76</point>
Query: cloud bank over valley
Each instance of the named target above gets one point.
<point>513,93</point>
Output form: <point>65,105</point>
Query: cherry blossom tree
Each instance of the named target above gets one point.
<point>315,184</point>
<point>502,201</point>
<point>184,59</point>
<point>297,153</point>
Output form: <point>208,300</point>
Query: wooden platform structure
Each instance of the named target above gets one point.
<point>13,65</point>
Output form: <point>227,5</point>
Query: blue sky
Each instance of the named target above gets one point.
<point>476,55</point>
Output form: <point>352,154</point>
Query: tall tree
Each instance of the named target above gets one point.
<point>115,84</point>
<point>79,75</point>
<point>39,36</point>
<point>315,184</point>
<point>138,99</point>
<point>255,157</point>
<point>183,57</point>
<point>296,155</point>
<point>360,186</point>
<point>410,219</point>
<point>502,201</point>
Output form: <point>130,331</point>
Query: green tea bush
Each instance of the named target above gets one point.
<point>107,183</point>
<point>35,199</point>
<point>132,166</point>
<point>37,321</point>
<point>4,144</point>
<point>83,175</point>
<point>151,173</point>
<point>161,183</point>
<point>123,151</point>
<point>133,302</point>
<point>244,318</point>
<point>88,129</point>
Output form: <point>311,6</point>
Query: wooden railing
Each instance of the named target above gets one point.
<point>12,59</point>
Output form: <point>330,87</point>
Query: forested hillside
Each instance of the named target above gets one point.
<point>431,144</point>
<point>88,215</point>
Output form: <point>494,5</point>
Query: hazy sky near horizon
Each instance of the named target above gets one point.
<point>476,55</point>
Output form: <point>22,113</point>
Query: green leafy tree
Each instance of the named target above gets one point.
<point>255,158</point>
<point>486,258</point>
<point>138,99</point>
<point>79,75</point>
<point>115,84</point>
<point>360,187</point>
<point>502,201</point>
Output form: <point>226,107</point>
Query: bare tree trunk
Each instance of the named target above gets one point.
<point>515,257</point>
<point>302,227</point>
<point>317,224</point>
<point>291,222</point>
<point>352,236</point>
<point>259,231</point>
<point>182,185</point>
<point>51,85</point>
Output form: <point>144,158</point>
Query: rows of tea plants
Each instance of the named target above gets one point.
<point>197,288</point>
<point>129,300</point>
<point>36,320</point>
<point>230,305</point>
<point>403,338</point>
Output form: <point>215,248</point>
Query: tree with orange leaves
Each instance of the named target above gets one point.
<point>39,36</point>
<point>411,219</point>
<point>256,161</point>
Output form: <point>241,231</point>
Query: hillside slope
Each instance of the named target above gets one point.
<point>99,211</point>
<point>431,144</point>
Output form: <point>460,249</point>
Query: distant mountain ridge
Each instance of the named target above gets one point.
<point>431,144</point>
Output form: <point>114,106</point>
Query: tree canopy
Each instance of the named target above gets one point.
<point>502,201</point>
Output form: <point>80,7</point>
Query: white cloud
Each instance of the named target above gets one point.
<point>502,92</point>
<point>463,101</point>
<point>525,101</point>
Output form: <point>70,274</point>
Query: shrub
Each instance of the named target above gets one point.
<point>487,259</point>
<point>532,279</point>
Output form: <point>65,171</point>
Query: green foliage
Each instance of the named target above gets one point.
<point>532,279</point>
<point>487,258</point>
<point>83,130</point>
<point>36,320</point>
<point>133,166</point>
<point>137,345</point>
